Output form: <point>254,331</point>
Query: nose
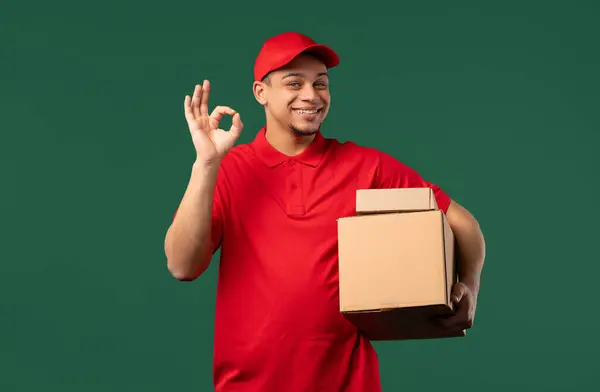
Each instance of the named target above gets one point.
<point>309,93</point>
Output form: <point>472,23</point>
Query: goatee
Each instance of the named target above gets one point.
<point>300,132</point>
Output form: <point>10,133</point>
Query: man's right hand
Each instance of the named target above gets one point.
<point>211,143</point>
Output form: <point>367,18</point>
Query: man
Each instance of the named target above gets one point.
<point>271,206</point>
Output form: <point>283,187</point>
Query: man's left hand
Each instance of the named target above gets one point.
<point>465,299</point>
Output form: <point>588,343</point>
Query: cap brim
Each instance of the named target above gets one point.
<point>329,55</point>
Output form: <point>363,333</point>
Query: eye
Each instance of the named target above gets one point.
<point>294,84</point>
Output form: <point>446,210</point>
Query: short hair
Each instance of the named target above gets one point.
<point>267,79</point>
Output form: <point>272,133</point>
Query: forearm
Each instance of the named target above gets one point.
<point>188,244</point>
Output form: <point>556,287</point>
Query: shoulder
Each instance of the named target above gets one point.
<point>385,169</point>
<point>237,157</point>
<point>350,146</point>
<point>231,168</point>
<point>237,152</point>
<point>349,149</point>
<point>371,156</point>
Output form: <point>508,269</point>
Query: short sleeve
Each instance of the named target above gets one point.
<point>391,173</point>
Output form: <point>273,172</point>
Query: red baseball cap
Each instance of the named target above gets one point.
<point>279,50</point>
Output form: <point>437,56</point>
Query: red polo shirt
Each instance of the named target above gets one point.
<point>278,327</point>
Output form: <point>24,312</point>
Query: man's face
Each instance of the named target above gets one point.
<point>297,96</point>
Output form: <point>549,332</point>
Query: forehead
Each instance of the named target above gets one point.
<point>305,63</point>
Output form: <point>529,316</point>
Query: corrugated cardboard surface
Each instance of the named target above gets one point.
<point>370,201</point>
<point>397,271</point>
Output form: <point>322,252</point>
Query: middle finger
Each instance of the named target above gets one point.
<point>204,98</point>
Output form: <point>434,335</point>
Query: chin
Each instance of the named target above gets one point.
<point>304,131</point>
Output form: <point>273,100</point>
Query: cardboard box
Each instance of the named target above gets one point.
<point>397,265</point>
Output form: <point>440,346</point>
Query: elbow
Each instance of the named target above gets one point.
<point>187,269</point>
<point>182,273</point>
<point>185,264</point>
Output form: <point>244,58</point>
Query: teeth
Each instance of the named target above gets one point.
<point>306,111</point>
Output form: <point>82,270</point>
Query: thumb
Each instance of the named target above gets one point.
<point>458,292</point>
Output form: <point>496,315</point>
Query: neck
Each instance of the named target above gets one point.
<point>283,139</point>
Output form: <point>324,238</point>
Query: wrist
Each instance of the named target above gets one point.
<point>472,283</point>
<point>204,167</point>
<point>203,174</point>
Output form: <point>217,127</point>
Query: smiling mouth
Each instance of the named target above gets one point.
<point>307,111</point>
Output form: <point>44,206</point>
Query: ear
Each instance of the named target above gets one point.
<point>259,90</point>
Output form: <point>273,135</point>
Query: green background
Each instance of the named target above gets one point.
<point>497,102</point>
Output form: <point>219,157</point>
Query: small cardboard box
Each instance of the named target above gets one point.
<point>396,265</point>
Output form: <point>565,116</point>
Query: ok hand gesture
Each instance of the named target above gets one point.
<point>211,142</point>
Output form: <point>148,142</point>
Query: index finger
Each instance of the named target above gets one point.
<point>220,111</point>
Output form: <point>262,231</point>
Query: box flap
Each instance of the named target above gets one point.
<point>378,201</point>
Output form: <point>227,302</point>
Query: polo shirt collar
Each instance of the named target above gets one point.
<point>272,157</point>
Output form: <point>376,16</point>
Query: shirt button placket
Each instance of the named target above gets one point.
<point>295,200</point>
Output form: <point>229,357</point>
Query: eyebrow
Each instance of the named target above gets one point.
<point>303,75</point>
